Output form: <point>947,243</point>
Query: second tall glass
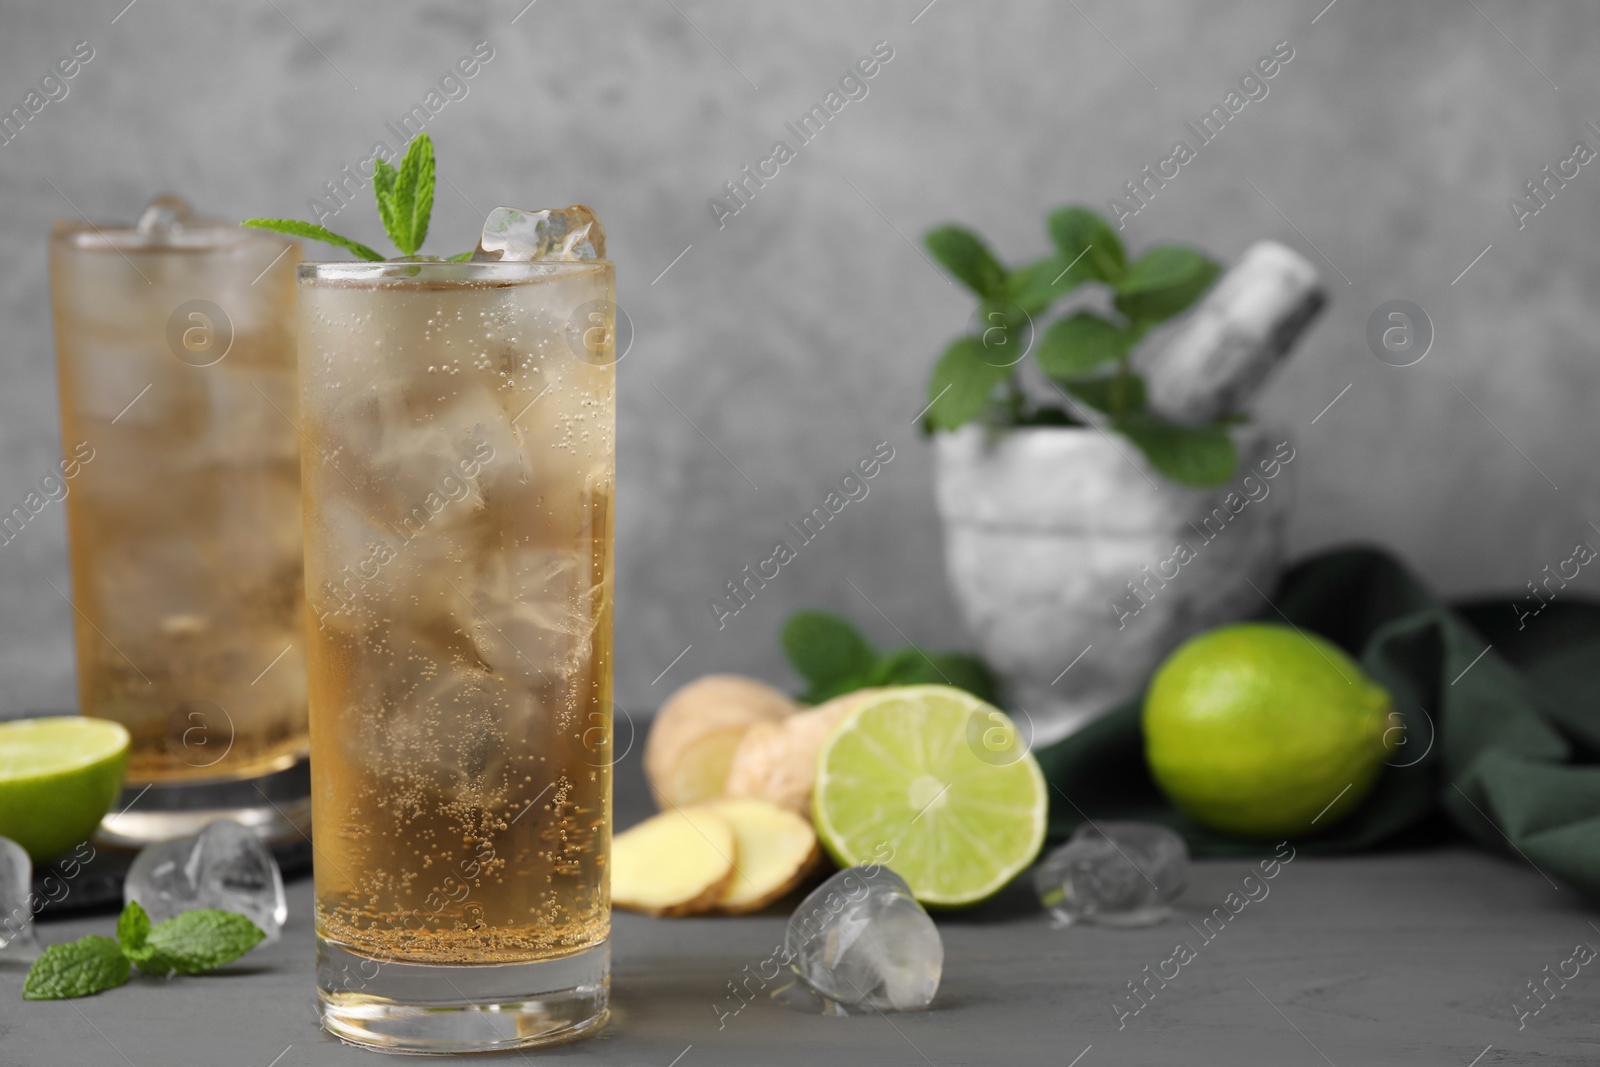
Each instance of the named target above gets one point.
<point>459,447</point>
<point>175,344</point>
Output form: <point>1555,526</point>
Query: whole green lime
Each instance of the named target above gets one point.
<point>1264,731</point>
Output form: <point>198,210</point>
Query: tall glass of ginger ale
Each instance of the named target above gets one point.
<point>181,479</point>
<point>458,471</point>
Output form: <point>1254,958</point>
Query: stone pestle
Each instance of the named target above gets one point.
<point>1223,352</point>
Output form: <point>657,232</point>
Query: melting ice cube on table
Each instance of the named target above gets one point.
<point>1115,873</point>
<point>861,939</point>
<point>16,904</point>
<point>225,866</point>
<point>565,233</point>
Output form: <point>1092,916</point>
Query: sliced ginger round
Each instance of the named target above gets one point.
<point>776,850</point>
<point>677,863</point>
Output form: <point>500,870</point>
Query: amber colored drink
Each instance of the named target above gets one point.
<point>458,476</point>
<point>176,355</point>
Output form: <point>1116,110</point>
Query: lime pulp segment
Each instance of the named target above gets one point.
<point>32,748</point>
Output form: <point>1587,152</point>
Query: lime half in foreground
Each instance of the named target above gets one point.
<point>936,785</point>
<point>58,776</point>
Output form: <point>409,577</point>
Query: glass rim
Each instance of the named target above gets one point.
<point>430,272</point>
<point>198,235</point>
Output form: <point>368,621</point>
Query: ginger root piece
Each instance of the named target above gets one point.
<point>776,850</point>
<point>777,761</point>
<point>694,735</point>
<point>675,863</point>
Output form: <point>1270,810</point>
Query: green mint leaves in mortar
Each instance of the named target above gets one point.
<point>405,203</point>
<point>1086,356</point>
<point>834,658</point>
<point>190,943</point>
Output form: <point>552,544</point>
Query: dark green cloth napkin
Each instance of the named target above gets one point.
<point>1501,745</point>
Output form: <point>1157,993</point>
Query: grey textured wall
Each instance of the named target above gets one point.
<point>780,348</point>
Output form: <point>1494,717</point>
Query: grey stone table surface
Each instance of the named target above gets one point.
<point>1395,958</point>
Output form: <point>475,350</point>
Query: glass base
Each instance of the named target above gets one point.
<point>276,806</point>
<point>442,1008</point>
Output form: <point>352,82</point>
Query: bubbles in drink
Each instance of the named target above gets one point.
<point>458,516</point>
<point>185,524</point>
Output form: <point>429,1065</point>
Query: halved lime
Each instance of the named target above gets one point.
<point>58,776</point>
<point>936,785</point>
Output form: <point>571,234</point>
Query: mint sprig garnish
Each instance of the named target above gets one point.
<point>296,228</point>
<point>405,203</point>
<point>384,177</point>
<point>82,968</point>
<point>405,197</point>
<point>189,943</point>
<point>834,658</point>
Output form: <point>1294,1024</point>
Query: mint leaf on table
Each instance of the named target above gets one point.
<point>829,653</point>
<point>1196,456</point>
<point>1078,344</point>
<point>296,228</point>
<point>833,657</point>
<point>1163,282</point>
<point>964,255</point>
<point>963,381</point>
<point>195,942</point>
<point>906,665</point>
<point>1079,231</point>
<point>967,672</point>
<point>133,927</point>
<point>911,665</point>
<point>82,968</point>
<point>191,943</point>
